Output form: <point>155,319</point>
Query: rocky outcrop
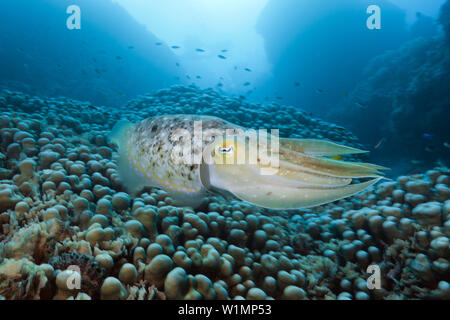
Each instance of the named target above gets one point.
<point>404,100</point>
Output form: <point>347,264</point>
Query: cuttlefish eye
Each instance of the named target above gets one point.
<point>225,150</point>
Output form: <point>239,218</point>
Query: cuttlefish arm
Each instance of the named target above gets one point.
<point>318,148</point>
<point>300,181</point>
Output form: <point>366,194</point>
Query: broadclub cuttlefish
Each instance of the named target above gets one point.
<point>159,152</point>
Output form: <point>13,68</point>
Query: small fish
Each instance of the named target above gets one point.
<point>427,136</point>
<point>187,76</point>
<point>175,47</point>
<point>379,143</point>
<point>198,77</point>
<point>247,84</point>
<point>158,43</point>
<point>416,162</point>
<point>235,67</point>
<point>279,98</point>
<point>248,69</point>
<point>429,149</point>
<point>220,85</point>
<point>339,157</point>
<point>345,95</point>
<point>199,50</point>
<point>297,84</point>
<point>224,50</point>
<point>221,56</point>
<point>447,145</point>
<point>118,57</point>
<point>177,64</point>
<point>359,105</point>
<point>319,91</point>
<point>131,47</point>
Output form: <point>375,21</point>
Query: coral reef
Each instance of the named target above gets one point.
<point>91,270</point>
<point>290,120</point>
<point>63,208</point>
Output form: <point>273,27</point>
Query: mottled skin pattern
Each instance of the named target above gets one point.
<point>150,145</point>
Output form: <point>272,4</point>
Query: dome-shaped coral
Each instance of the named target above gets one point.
<point>91,271</point>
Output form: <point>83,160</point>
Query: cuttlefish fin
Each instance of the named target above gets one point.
<point>274,196</point>
<point>118,132</point>
<point>317,148</point>
<point>129,177</point>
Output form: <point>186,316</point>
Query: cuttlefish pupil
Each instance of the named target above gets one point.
<point>308,173</point>
<point>226,150</point>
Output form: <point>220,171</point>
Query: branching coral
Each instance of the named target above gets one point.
<point>21,279</point>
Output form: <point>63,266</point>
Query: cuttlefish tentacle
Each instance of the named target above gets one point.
<point>337,168</point>
<point>309,155</point>
<point>371,166</point>
<point>301,180</point>
<point>315,147</point>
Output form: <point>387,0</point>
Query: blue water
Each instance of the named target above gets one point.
<point>370,78</point>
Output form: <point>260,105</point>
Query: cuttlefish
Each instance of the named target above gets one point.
<point>191,156</point>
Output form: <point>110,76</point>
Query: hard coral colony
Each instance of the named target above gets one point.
<point>63,206</point>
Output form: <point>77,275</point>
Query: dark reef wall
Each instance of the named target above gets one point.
<point>323,45</point>
<point>444,19</point>
<point>111,59</point>
<point>405,99</point>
